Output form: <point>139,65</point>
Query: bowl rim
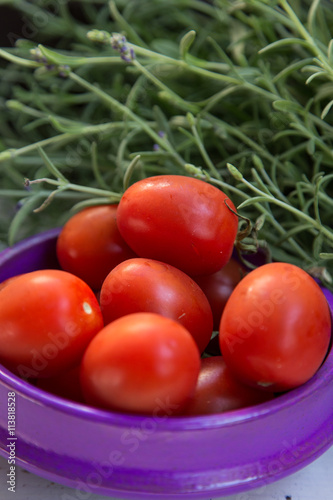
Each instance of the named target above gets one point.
<point>320,379</point>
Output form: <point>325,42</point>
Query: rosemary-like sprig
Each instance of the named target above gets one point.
<point>238,94</point>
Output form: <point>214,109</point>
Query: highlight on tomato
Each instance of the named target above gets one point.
<point>147,285</point>
<point>180,220</point>
<point>275,329</point>
<point>90,245</point>
<point>138,363</point>
<point>47,319</point>
<point>218,391</point>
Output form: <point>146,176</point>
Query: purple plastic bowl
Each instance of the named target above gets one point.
<point>126,456</point>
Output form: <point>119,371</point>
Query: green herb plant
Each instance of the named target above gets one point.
<point>237,93</point>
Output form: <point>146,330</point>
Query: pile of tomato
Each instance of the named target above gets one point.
<point>148,306</point>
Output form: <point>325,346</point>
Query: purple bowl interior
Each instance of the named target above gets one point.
<point>31,254</point>
<point>297,425</point>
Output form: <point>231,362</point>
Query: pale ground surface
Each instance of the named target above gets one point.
<point>314,482</point>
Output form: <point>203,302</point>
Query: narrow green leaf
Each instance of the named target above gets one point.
<point>282,43</point>
<point>62,59</point>
<point>131,34</point>
<point>311,146</point>
<point>312,17</point>
<point>295,66</point>
<point>180,103</point>
<point>330,51</point>
<point>162,122</point>
<point>51,167</point>
<point>285,133</point>
<point>287,106</point>
<point>75,129</point>
<point>315,75</point>
<point>310,68</point>
<point>293,231</point>
<point>92,202</point>
<point>129,171</point>
<point>317,245</point>
<point>187,133</point>
<point>326,110</point>
<point>150,156</point>
<point>95,167</point>
<point>260,182</point>
<point>252,201</point>
<point>49,199</point>
<point>258,162</point>
<point>18,60</point>
<point>316,199</point>
<point>28,204</point>
<point>324,255</point>
<point>35,124</point>
<point>186,43</point>
<point>227,60</point>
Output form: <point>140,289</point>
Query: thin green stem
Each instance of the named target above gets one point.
<point>174,98</point>
<point>186,65</point>
<point>13,153</point>
<point>18,60</point>
<point>44,193</point>
<point>120,108</point>
<point>81,189</point>
<point>261,208</point>
<point>202,148</point>
<point>60,139</point>
<point>298,213</point>
<point>308,37</point>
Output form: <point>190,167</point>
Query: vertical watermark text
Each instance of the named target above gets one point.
<point>11,441</point>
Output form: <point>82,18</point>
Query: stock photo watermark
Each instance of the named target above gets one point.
<point>11,441</point>
<point>130,441</point>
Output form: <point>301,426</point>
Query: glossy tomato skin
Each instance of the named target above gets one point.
<point>147,285</point>
<point>6,282</point>
<point>141,363</point>
<point>90,245</point>
<point>47,318</point>
<point>276,327</point>
<point>179,220</point>
<point>218,391</point>
<point>218,287</point>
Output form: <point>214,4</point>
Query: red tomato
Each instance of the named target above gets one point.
<point>7,281</point>
<point>66,385</point>
<point>47,319</point>
<point>90,244</point>
<point>276,327</point>
<point>147,285</point>
<point>140,363</point>
<point>218,391</point>
<point>218,287</point>
<point>180,220</point>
